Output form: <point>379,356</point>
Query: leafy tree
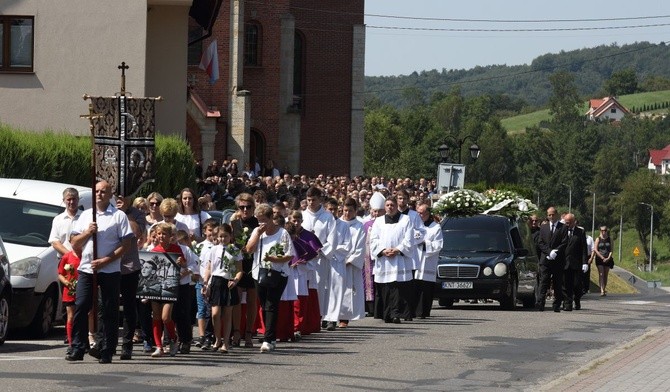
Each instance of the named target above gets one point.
<point>622,82</point>
<point>564,102</point>
<point>644,186</point>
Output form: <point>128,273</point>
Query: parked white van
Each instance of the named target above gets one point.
<point>27,209</point>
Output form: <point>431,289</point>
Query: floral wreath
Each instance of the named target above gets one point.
<point>466,202</point>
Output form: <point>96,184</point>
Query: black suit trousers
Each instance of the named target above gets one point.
<point>551,272</point>
<point>572,285</point>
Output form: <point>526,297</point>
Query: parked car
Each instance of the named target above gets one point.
<point>27,208</point>
<point>5,293</point>
<point>487,257</point>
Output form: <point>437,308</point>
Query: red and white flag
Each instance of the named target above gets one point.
<point>210,62</point>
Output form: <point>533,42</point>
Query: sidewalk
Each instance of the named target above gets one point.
<point>640,365</point>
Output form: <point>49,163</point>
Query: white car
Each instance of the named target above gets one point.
<point>27,208</point>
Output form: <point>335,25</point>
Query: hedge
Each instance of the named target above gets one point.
<point>61,157</point>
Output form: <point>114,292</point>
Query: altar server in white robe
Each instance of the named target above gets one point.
<point>337,268</point>
<point>322,223</point>
<point>391,241</point>
<point>419,232</point>
<point>429,252</point>
<point>353,298</point>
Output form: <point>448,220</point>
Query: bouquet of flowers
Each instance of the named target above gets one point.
<point>241,241</point>
<point>277,250</point>
<point>228,264</point>
<point>70,272</point>
<point>197,249</point>
<point>508,203</point>
<point>463,202</point>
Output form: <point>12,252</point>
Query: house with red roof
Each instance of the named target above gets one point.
<point>608,108</point>
<point>659,160</point>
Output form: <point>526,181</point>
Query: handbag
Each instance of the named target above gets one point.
<point>269,278</point>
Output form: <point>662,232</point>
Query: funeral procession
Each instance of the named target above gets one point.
<point>209,195</point>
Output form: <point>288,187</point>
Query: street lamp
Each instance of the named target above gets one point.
<point>620,227</point>
<point>593,215</point>
<point>651,233</point>
<point>443,150</point>
<point>570,197</point>
<point>474,148</point>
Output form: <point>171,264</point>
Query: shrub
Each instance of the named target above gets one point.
<point>62,157</point>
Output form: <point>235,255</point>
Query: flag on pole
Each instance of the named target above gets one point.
<point>210,62</point>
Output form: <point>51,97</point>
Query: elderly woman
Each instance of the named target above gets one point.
<point>273,249</point>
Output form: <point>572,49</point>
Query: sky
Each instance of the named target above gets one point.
<point>400,52</point>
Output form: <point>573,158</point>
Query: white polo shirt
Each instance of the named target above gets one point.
<point>61,228</point>
<point>113,228</point>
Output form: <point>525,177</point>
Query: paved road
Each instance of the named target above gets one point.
<point>470,347</point>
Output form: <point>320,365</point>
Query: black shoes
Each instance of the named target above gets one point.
<point>396,320</point>
<point>74,356</point>
<point>330,326</point>
<point>578,304</point>
<point>94,352</point>
<point>126,355</point>
<point>105,359</point>
<point>539,306</point>
<point>557,308</point>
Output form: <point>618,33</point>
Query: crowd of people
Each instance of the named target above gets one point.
<point>299,256</point>
<point>294,260</point>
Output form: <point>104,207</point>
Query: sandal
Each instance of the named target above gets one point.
<point>248,339</point>
<point>236,338</point>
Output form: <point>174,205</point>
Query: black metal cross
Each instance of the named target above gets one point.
<point>123,67</point>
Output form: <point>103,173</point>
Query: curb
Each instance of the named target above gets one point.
<point>569,379</point>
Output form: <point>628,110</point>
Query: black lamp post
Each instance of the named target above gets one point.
<point>474,149</point>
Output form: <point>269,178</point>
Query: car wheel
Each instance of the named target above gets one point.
<point>445,302</point>
<point>4,318</point>
<point>508,300</point>
<point>43,321</point>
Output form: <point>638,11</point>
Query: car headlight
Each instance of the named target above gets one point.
<point>28,268</point>
<point>500,269</point>
<point>488,271</point>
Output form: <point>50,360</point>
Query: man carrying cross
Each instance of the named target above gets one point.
<point>114,237</point>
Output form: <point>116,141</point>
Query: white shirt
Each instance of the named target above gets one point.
<point>62,227</point>
<point>191,264</point>
<point>217,264</point>
<point>266,242</point>
<point>433,241</point>
<point>113,228</point>
<point>193,222</point>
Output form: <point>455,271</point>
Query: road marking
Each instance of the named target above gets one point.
<point>637,302</point>
<point>22,358</point>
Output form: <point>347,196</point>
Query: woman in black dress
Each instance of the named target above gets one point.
<point>604,261</point>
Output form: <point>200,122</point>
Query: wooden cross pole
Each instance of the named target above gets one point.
<point>123,67</point>
<point>91,116</point>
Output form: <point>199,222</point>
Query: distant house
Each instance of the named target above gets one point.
<point>659,160</point>
<point>607,108</point>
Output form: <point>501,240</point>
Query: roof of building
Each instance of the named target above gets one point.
<point>658,156</point>
<point>597,107</point>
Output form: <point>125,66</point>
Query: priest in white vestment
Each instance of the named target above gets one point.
<point>391,242</point>
<point>429,252</point>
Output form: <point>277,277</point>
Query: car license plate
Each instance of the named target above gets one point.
<point>456,285</point>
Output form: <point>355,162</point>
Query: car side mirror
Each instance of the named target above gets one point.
<point>521,252</point>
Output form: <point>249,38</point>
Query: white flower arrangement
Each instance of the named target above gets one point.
<point>467,202</point>
<point>508,203</point>
<point>463,202</point>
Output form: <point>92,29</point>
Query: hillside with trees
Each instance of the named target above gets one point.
<point>524,88</point>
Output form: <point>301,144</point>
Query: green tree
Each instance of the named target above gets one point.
<point>564,102</point>
<point>644,186</point>
<point>621,82</point>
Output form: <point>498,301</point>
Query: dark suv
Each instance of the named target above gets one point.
<point>487,257</point>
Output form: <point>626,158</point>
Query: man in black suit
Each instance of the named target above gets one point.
<point>576,257</point>
<point>551,242</point>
